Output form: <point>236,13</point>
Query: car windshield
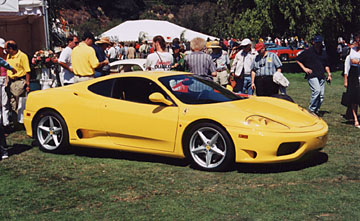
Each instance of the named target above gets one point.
<point>191,89</point>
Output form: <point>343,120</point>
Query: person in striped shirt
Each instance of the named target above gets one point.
<point>263,68</point>
<point>198,62</point>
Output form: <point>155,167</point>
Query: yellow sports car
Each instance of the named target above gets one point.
<point>175,114</point>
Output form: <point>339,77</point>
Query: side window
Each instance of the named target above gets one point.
<point>114,69</point>
<point>103,88</point>
<point>135,89</point>
<point>136,68</point>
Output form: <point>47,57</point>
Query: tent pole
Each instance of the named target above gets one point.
<point>46,23</point>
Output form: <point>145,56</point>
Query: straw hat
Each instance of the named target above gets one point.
<point>103,40</point>
<point>214,44</point>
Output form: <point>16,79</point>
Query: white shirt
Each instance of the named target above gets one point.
<point>65,57</point>
<point>222,62</point>
<point>159,61</point>
<point>112,53</point>
<point>347,65</point>
<point>354,54</point>
<point>242,61</point>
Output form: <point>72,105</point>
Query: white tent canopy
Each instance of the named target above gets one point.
<point>132,30</point>
<point>24,21</point>
<point>21,7</point>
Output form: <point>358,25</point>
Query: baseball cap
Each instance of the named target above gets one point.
<point>175,46</point>
<point>259,46</point>
<point>2,43</point>
<point>245,42</point>
<point>318,38</point>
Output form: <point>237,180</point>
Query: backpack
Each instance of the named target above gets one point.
<point>345,51</point>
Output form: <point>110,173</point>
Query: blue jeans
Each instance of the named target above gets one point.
<point>97,74</point>
<point>282,89</point>
<point>247,86</point>
<point>317,87</point>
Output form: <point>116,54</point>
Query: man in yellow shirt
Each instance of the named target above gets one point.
<point>18,82</point>
<point>84,60</point>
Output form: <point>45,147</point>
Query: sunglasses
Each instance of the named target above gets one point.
<point>76,42</point>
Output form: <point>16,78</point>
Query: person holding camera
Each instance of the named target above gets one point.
<point>314,62</point>
<point>19,81</point>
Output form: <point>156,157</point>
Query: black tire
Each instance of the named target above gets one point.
<point>51,132</point>
<point>209,147</point>
<point>284,57</point>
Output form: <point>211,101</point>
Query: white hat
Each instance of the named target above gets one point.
<point>2,43</point>
<point>245,42</point>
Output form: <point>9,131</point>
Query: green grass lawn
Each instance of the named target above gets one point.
<point>94,184</point>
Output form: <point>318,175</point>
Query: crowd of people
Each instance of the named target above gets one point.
<point>244,67</point>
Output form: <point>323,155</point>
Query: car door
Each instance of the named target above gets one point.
<point>133,121</point>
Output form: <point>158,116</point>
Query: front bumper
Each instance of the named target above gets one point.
<point>28,116</point>
<point>256,146</point>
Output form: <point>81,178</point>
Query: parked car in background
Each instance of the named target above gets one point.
<point>284,53</point>
<point>127,65</point>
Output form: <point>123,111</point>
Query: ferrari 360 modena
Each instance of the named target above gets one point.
<point>174,114</point>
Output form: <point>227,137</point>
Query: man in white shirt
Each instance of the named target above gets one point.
<point>160,60</point>
<point>112,53</point>
<point>144,49</point>
<point>66,73</point>
<point>241,68</point>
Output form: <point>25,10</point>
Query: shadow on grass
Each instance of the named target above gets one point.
<point>322,113</point>
<point>122,155</point>
<point>18,149</point>
<point>308,160</point>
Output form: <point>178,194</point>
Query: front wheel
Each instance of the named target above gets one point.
<point>51,132</point>
<point>209,147</point>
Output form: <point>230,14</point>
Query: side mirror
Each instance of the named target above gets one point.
<point>159,98</point>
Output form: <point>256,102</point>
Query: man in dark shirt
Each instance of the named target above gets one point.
<point>314,63</point>
<point>100,47</point>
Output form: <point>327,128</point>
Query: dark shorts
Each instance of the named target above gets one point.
<point>265,86</point>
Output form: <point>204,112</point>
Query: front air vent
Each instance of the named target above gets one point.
<point>79,133</point>
<point>288,148</point>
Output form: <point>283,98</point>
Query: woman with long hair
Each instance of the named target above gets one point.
<point>352,81</point>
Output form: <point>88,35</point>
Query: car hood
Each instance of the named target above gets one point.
<point>281,111</point>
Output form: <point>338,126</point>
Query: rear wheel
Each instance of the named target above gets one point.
<point>209,147</point>
<point>51,132</point>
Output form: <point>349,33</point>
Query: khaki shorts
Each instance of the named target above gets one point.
<point>17,87</point>
<point>221,77</point>
<point>78,79</point>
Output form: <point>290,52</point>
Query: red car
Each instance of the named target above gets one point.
<point>284,53</point>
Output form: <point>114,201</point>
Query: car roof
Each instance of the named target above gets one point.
<point>138,61</point>
<point>154,75</point>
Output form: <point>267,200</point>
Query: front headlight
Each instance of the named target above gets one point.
<point>260,121</point>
